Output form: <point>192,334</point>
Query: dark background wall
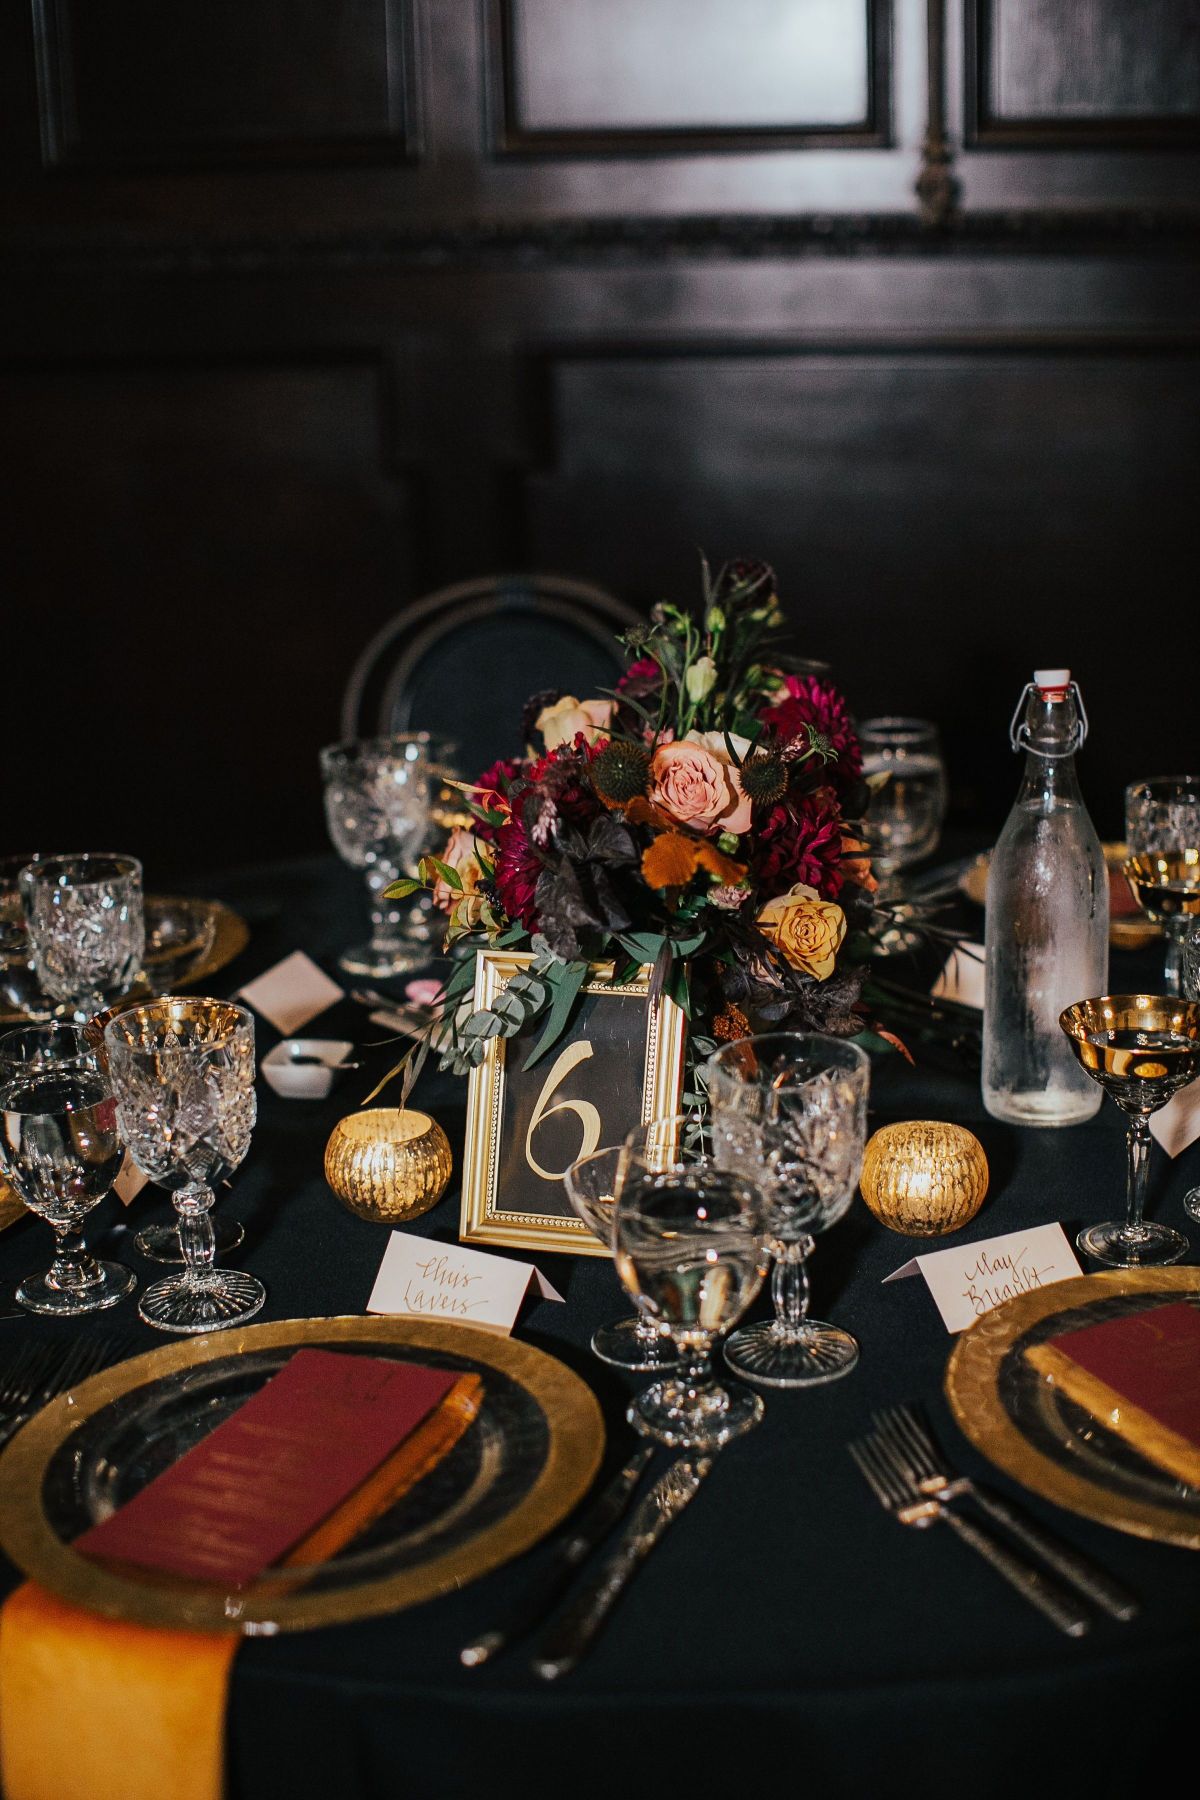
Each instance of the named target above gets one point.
<point>308,306</point>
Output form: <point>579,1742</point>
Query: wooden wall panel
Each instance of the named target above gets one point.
<point>596,76</point>
<point>193,557</point>
<point>942,519</point>
<point>1071,72</point>
<point>139,83</point>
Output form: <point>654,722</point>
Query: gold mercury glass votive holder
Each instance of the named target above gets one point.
<point>388,1164</point>
<point>924,1178</point>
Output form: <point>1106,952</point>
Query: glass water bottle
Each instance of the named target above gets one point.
<point>1047,919</point>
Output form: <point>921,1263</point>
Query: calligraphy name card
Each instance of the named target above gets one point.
<point>969,1279</point>
<point>427,1280</point>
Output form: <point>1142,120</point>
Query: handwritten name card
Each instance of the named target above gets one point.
<point>969,1279</point>
<point>291,993</point>
<point>427,1280</point>
<point>1177,1124</point>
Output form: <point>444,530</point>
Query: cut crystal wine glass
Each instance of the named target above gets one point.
<point>1162,830</point>
<point>1141,1049</point>
<point>60,1150</point>
<point>183,1075</point>
<point>635,1343</point>
<point>377,807</point>
<point>790,1109</point>
<point>689,1245</point>
<point>86,927</point>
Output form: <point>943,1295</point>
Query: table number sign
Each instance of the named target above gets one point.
<point>621,1065</point>
<point>968,1280</point>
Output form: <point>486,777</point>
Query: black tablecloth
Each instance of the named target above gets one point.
<point>785,1629</point>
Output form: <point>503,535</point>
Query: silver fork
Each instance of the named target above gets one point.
<point>50,1371</point>
<point>908,1435</point>
<point>897,1495</point>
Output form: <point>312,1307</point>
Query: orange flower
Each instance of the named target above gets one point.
<point>807,929</point>
<point>731,1023</point>
<point>856,863</point>
<point>672,860</point>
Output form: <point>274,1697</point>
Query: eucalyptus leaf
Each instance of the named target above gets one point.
<point>566,992</point>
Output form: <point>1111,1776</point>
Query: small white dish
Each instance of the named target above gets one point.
<point>305,1068</point>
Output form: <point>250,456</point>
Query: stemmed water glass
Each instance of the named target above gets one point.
<point>1141,1049</point>
<point>60,1150</point>
<point>19,985</point>
<point>1162,830</point>
<point>634,1343</point>
<point>86,927</point>
<point>183,1075</point>
<point>689,1246</point>
<point>902,762</point>
<point>377,807</point>
<point>790,1109</point>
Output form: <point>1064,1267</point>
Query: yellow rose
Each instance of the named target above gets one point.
<point>807,929</point>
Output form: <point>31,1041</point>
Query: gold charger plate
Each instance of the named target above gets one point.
<point>518,1469</point>
<point>1132,932</point>
<point>1027,1427</point>
<point>230,935</point>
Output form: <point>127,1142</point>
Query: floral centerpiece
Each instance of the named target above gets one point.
<point>701,817</point>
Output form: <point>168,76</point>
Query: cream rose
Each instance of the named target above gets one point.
<point>807,929</point>
<point>562,722</point>
<point>697,788</point>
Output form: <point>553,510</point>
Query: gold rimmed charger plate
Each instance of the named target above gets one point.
<point>1131,931</point>
<point>1080,1475</point>
<point>575,1441</point>
<point>231,934</point>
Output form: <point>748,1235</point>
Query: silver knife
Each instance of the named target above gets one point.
<point>571,1634</point>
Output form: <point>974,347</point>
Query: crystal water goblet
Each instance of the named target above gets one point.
<point>633,1343</point>
<point>689,1244</point>
<point>903,765</point>
<point>19,985</point>
<point>60,1150</point>
<point>183,1076</point>
<point>1141,1049</point>
<point>1162,831</point>
<point>790,1109</point>
<point>377,807</point>
<point>1190,982</point>
<point>86,927</point>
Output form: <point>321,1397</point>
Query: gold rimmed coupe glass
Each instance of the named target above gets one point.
<point>1141,1049</point>
<point>183,1076</point>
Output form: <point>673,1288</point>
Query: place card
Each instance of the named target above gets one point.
<point>427,1280</point>
<point>967,1280</point>
<point>291,993</point>
<point>1177,1124</point>
<point>280,1465</point>
<point>962,977</point>
<point>130,1181</point>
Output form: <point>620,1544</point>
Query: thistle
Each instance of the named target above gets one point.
<point>764,779</point>
<point>621,771</point>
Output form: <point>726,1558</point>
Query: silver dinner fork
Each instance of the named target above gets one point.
<point>898,1496</point>
<point>47,1370</point>
<point>907,1434</point>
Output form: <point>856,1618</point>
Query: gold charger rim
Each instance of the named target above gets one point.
<point>1132,932</point>
<point>576,1434</point>
<point>231,934</point>
<point>980,1414</point>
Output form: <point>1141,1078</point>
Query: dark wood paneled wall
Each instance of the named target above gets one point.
<point>308,307</point>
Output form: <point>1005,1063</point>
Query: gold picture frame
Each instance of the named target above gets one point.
<point>504,1197</point>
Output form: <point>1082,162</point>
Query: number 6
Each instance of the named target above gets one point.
<point>589,1117</point>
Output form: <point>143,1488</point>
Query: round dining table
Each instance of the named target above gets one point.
<point>785,1631</point>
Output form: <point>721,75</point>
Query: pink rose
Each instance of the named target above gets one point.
<point>698,788</point>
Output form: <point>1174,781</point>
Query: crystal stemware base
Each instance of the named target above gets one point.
<point>43,1294</point>
<point>161,1243</point>
<point>685,1417</point>
<point>776,1355</point>
<point>1124,1246</point>
<point>189,1303</point>
<point>626,1344</point>
<point>1191,1203</point>
<point>399,958</point>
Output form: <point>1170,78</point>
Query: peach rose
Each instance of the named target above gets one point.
<point>562,722</point>
<point>807,929</point>
<point>460,856</point>
<point>698,787</point>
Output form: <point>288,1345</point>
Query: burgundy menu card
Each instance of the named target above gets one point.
<point>1139,1375</point>
<point>261,1481</point>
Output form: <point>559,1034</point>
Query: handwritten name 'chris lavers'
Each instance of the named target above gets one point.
<point>997,1278</point>
<point>443,1289</point>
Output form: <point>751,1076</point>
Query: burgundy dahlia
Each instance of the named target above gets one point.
<point>810,702</point>
<point>801,841</point>
<point>517,869</point>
